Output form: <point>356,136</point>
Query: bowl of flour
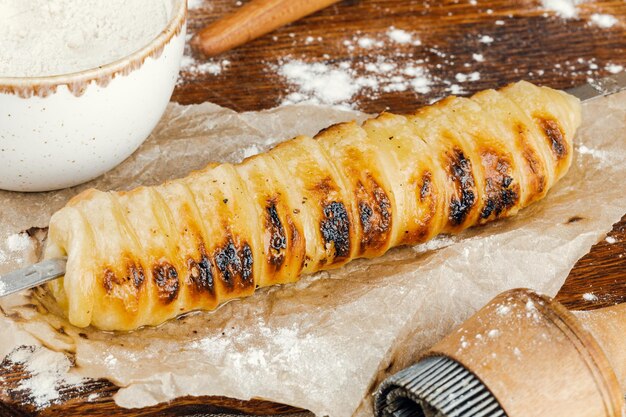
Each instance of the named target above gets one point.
<point>82,85</point>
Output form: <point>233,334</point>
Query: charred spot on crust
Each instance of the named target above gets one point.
<point>427,195</point>
<point>426,185</point>
<point>374,214</point>
<point>137,274</point>
<point>134,276</point>
<point>166,280</point>
<point>248,261</point>
<point>109,280</point>
<point>500,191</point>
<point>228,263</point>
<point>534,163</point>
<point>335,228</point>
<point>574,219</point>
<point>365,214</point>
<point>233,263</point>
<point>325,186</point>
<point>201,274</point>
<point>278,239</point>
<point>460,169</point>
<point>553,132</point>
<point>294,237</point>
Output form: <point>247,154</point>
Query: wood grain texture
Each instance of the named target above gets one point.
<point>529,45</point>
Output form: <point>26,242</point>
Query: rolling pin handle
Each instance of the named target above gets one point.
<point>251,21</point>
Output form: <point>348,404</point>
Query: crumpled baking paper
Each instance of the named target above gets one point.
<point>325,342</point>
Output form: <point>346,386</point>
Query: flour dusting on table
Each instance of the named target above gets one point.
<point>604,20</point>
<point>564,8</point>
<point>48,374</point>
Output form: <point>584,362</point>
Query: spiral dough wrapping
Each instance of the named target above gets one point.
<point>145,256</point>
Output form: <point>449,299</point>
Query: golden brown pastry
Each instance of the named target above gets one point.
<point>145,256</point>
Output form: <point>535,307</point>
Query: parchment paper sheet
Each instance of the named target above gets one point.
<point>325,342</point>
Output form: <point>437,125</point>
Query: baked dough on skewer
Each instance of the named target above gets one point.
<point>145,256</point>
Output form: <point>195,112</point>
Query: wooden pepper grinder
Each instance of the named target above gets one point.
<point>522,355</point>
<point>250,21</point>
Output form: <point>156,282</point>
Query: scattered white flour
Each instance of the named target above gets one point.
<point>338,84</point>
<point>319,82</point>
<point>49,373</point>
<point>603,20</point>
<point>610,240</point>
<point>474,76</point>
<point>51,37</point>
<point>564,8</point>
<point>568,9</point>
<point>456,89</point>
<point>486,39</point>
<point>590,297</point>
<point>366,42</point>
<point>12,249</point>
<point>396,36</point>
<point>214,67</point>
<point>18,242</point>
<point>399,35</point>
<point>398,67</point>
<point>478,57</point>
<point>614,68</point>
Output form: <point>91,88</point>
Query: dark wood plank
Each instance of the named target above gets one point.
<point>599,278</point>
<point>528,45</point>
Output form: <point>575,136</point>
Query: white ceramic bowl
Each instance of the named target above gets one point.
<point>60,131</point>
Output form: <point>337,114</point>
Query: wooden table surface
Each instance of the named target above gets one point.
<point>528,43</point>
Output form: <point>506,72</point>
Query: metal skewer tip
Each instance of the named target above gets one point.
<point>32,276</point>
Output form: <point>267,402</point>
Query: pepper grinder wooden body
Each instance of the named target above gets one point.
<point>539,359</point>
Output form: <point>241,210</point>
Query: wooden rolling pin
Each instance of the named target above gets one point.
<point>250,21</point>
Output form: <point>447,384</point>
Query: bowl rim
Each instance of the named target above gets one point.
<point>78,81</point>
